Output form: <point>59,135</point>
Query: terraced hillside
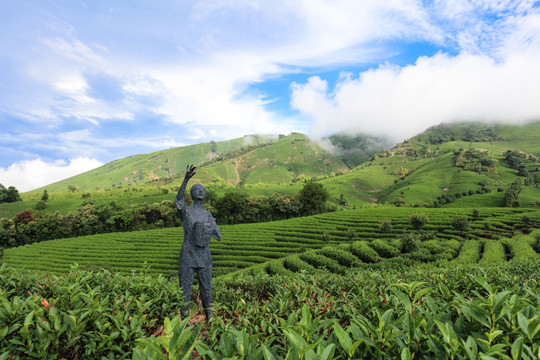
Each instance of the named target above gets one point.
<point>145,168</point>
<point>442,166</point>
<point>287,244</point>
<point>449,160</point>
<point>292,158</point>
<point>247,160</point>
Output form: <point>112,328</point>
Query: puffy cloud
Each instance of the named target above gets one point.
<point>402,101</point>
<point>30,174</point>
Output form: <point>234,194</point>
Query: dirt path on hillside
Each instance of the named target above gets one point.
<point>237,162</point>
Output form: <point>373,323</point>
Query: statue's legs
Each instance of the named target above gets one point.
<point>185,277</point>
<point>205,287</point>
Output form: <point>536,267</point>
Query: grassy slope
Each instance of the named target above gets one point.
<point>264,170</point>
<point>250,244</point>
<point>289,159</point>
<point>143,168</point>
<point>280,161</point>
<point>416,172</point>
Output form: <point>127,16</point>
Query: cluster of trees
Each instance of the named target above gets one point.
<point>474,160</point>
<point>89,219</point>
<point>516,161</point>
<point>95,218</point>
<point>8,195</point>
<point>236,207</point>
<point>534,181</point>
<point>512,194</point>
<point>473,134</point>
<point>442,133</point>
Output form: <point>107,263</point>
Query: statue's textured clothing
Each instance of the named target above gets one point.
<point>192,255</point>
<point>199,225</point>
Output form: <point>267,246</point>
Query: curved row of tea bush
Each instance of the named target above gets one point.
<point>338,259</point>
<point>251,244</point>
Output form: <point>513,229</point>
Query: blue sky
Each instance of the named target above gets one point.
<point>83,83</point>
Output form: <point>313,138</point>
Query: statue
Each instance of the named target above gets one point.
<point>199,228</point>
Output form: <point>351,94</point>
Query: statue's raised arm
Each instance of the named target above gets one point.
<point>179,199</point>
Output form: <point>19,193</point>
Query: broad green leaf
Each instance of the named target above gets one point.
<point>4,332</point>
<point>311,355</point>
<point>266,353</point>
<point>421,293</point>
<point>406,354</point>
<point>344,339</point>
<point>409,326</point>
<point>403,298</point>
<point>523,323</point>
<point>470,348</point>
<point>328,352</point>
<point>177,331</point>
<point>517,348</point>
<point>534,331</point>
<point>484,284</point>
<point>28,319</point>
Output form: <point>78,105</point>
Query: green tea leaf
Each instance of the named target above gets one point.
<point>344,339</point>
<point>28,319</point>
<point>517,348</point>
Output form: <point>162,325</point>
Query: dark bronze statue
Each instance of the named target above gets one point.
<point>199,228</point>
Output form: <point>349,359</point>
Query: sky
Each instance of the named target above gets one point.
<point>83,83</point>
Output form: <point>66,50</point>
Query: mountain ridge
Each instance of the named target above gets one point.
<point>441,166</point>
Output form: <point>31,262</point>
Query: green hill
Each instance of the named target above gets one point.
<point>456,165</point>
<point>448,161</point>
<point>165,164</point>
<point>249,160</point>
<point>292,158</point>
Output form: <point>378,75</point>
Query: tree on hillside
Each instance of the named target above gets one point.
<point>461,224</point>
<point>512,194</point>
<point>24,217</point>
<point>313,198</point>
<point>10,194</point>
<point>231,206</point>
<point>418,221</point>
<point>45,196</point>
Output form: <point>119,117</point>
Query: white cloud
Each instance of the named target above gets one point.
<point>244,44</point>
<point>210,97</point>
<point>494,77</point>
<point>31,174</point>
<point>401,101</point>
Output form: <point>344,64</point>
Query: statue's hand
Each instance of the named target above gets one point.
<point>190,171</point>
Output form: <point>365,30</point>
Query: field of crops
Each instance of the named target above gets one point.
<point>246,245</point>
<point>387,310</point>
<point>378,283</point>
<point>250,244</point>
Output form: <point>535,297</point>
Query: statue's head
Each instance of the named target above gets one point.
<point>198,192</point>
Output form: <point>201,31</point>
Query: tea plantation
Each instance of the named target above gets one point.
<point>249,244</point>
<point>377,283</point>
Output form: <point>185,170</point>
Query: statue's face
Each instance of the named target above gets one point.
<point>198,192</point>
